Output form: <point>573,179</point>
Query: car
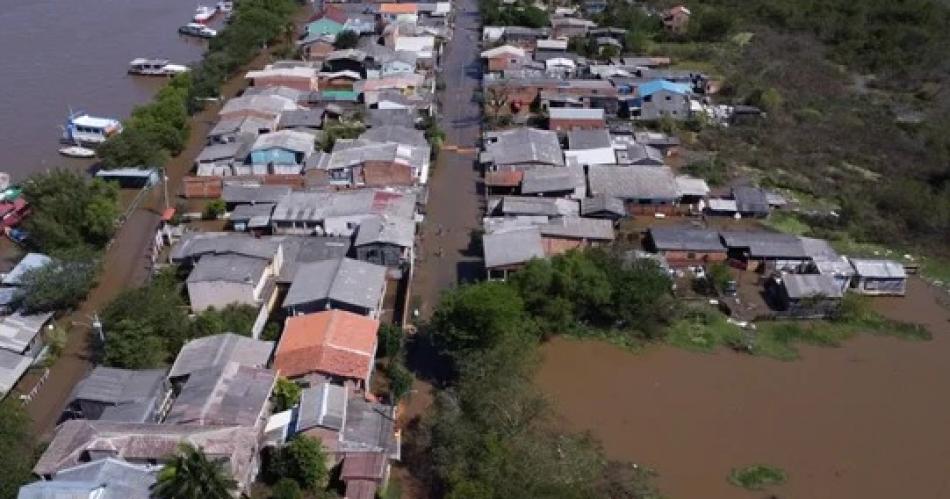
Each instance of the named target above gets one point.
<point>198,30</point>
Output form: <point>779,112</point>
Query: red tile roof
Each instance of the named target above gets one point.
<point>363,466</point>
<point>510,178</point>
<point>334,342</point>
<point>398,8</point>
<point>386,174</point>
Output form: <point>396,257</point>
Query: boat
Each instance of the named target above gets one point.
<point>197,29</point>
<point>13,212</point>
<point>225,7</point>
<point>155,67</point>
<point>77,152</point>
<point>204,14</point>
<point>82,129</point>
<point>17,235</point>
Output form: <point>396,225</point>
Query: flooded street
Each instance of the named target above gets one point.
<point>868,420</point>
<point>75,54</point>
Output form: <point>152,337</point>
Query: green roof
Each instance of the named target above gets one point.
<point>344,95</point>
<point>323,26</point>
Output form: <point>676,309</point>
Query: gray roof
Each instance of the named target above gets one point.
<point>194,245</point>
<point>691,186</point>
<point>533,205</point>
<point>133,392</point>
<point>370,426</point>
<point>241,125</point>
<point>685,239</point>
<point>110,478</point>
<point>255,215</point>
<point>552,179</point>
<point>290,140</point>
<point>761,244</point>
<point>12,368</point>
<point>750,200</point>
<point>810,285</point>
<point>29,262</point>
<point>576,113</point>
<point>306,249</point>
<point>322,405</point>
<point>18,330</point>
<point>253,194</point>
<point>396,134</point>
<point>220,349</point>
<point>818,249</point>
<point>588,139</point>
<point>229,151</point>
<point>385,230</point>
<point>525,145</point>
<point>343,280</point>
<point>579,228</point>
<point>302,118</point>
<point>353,152</point>
<point>223,394</point>
<point>268,104</point>
<point>512,247</point>
<point>878,269</point>
<point>642,154</point>
<point>228,268</point>
<point>320,205</point>
<point>385,117</point>
<point>633,182</point>
<point>600,204</point>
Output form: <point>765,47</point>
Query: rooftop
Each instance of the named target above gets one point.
<point>685,239</point>
<point>811,285</point>
<point>588,139</point>
<point>322,405</point>
<point>12,368</point>
<point>253,194</point>
<point>552,179</point>
<point>17,330</point>
<point>761,244</point>
<point>573,227</point>
<point>29,262</point>
<point>524,145</point>
<point>382,230</point>
<point>576,113</point>
<point>220,349</point>
<point>343,280</point>
<point>223,394</point>
<point>878,269</point>
<point>137,391</point>
<point>228,268</point>
<point>633,182</point>
<point>333,342</point>
<point>512,247</point>
<point>102,479</point>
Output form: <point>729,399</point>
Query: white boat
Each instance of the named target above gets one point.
<point>155,67</point>
<point>225,7</point>
<point>83,129</point>
<point>77,152</point>
<point>204,14</point>
<point>197,29</point>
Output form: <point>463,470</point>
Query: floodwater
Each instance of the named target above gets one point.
<point>867,420</point>
<point>74,54</point>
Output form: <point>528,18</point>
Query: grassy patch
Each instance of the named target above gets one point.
<point>757,476</point>
<point>704,330</point>
<point>393,490</point>
<point>787,222</point>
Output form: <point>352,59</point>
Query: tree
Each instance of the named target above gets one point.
<point>302,460</point>
<point>495,102</point>
<point>191,475</point>
<point>718,276</point>
<point>214,209</point>
<point>233,318</point>
<point>400,380</point>
<point>286,394</point>
<point>286,488</point>
<point>60,285</point>
<point>70,210</point>
<point>134,147</point>
<point>346,39</point>
<point>17,448</point>
<point>389,341</point>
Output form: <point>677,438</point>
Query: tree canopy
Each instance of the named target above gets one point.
<point>17,449</point>
<point>192,475</point>
<point>60,285</point>
<point>302,460</point>
<point>70,210</point>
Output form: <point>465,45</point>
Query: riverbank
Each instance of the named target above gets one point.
<point>126,264</point>
<point>693,417</point>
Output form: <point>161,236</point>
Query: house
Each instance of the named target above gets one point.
<point>668,144</point>
<point>303,78</point>
<point>514,206</point>
<point>223,159</point>
<point>640,154</point>
<point>553,181</point>
<point>562,234</point>
<point>676,19</point>
<point>101,479</point>
<point>692,190</point>
<point>238,126</point>
<point>552,44</point>
<point>301,119</point>
<point>344,284</point>
<point>30,262</point>
<point>216,350</point>
<point>266,107</point>
<point>195,245</point>
<point>304,249</point>
<point>686,247</point>
<point>374,89</point>
<point>522,36</point>
<point>804,296</point>
<point>423,47</point>
<point>751,201</point>
<point>122,395</point>
<point>826,261</point>
<point>644,189</point>
<point>386,242</point>
<point>23,334</point>
<point>282,152</point>
<point>560,67</point>
<point>392,12</point>
<point>570,27</point>
<point>661,98</point>
<point>337,344</point>
<point>589,147</point>
<point>220,280</point>
<point>395,134</point>
<point>236,194</point>
<point>504,57</point>
<point>508,251</point>
<point>605,43</point>
<point>367,163</point>
<point>760,249</point>
<point>390,117</point>
<point>878,277</point>
<point>251,217</point>
<point>337,213</point>
<point>224,394</point>
<point>79,441</point>
<point>606,207</point>
<point>339,61</point>
<point>563,119</point>
<point>363,473</point>
<point>12,367</point>
<point>521,149</point>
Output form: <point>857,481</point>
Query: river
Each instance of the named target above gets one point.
<point>60,54</point>
<point>867,420</point>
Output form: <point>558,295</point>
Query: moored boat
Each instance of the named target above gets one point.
<point>77,152</point>
<point>197,29</point>
<point>204,14</point>
<point>155,67</point>
<point>82,129</point>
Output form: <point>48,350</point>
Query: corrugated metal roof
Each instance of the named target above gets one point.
<point>344,280</point>
<point>512,247</point>
<point>878,269</point>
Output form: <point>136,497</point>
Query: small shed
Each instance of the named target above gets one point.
<point>131,178</point>
<point>804,296</point>
<point>878,277</point>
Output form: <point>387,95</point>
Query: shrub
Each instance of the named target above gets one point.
<point>757,476</point>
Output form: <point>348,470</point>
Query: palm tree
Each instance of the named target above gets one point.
<point>191,475</point>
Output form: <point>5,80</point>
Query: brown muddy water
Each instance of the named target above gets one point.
<point>867,420</point>
<point>61,54</point>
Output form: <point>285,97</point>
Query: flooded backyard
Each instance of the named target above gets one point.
<point>865,420</point>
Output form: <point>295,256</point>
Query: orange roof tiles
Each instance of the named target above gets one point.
<point>398,8</point>
<point>334,342</point>
<point>504,178</point>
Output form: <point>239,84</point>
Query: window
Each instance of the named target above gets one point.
<point>691,255</point>
<point>669,97</point>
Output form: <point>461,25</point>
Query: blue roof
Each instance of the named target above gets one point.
<point>657,85</point>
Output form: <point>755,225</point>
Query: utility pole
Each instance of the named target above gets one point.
<point>165,186</point>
